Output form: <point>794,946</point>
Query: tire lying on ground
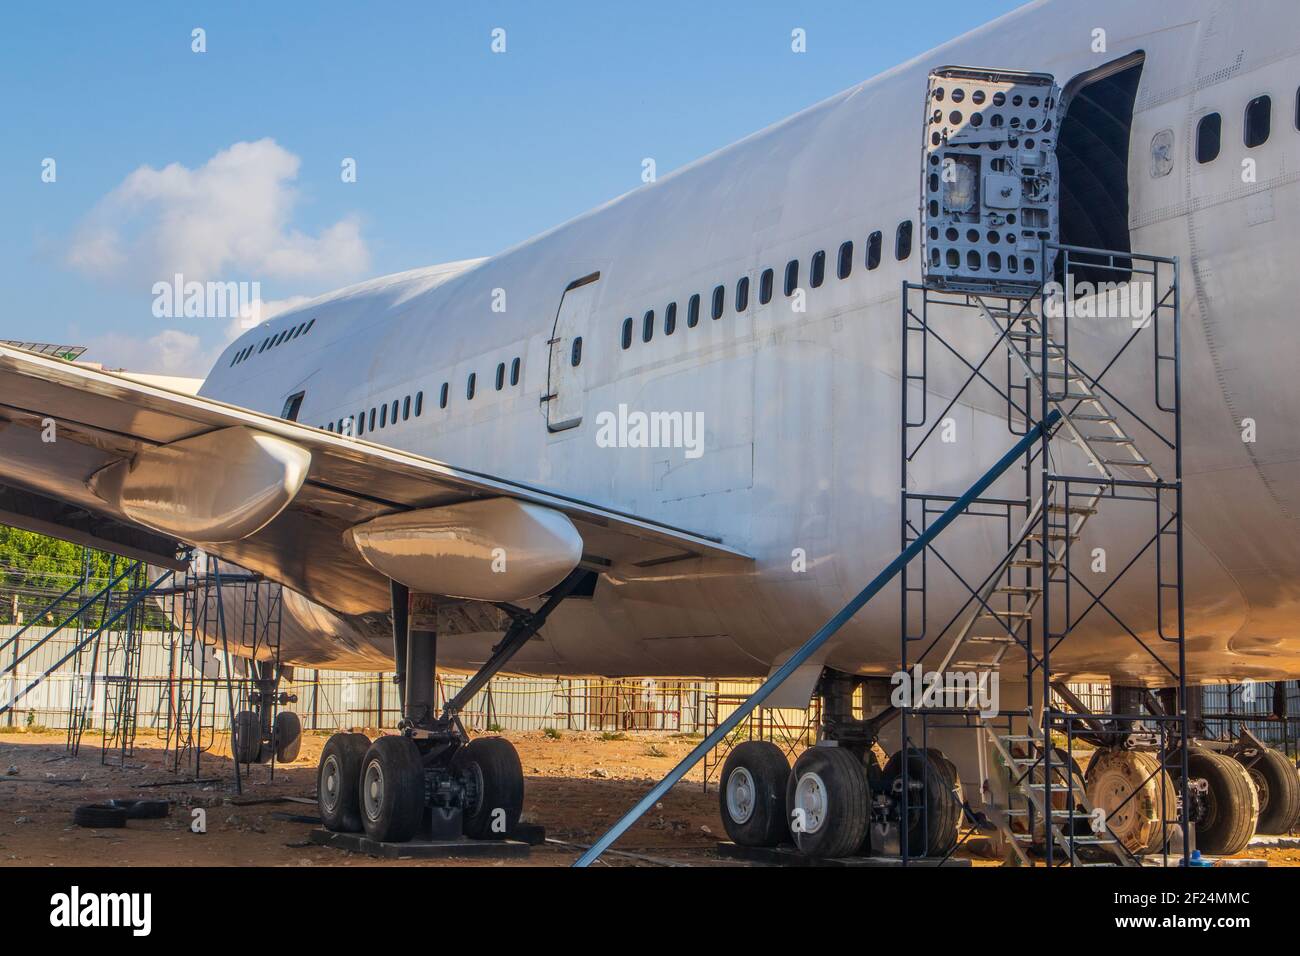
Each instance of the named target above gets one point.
<point>338,782</point>
<point>99,816</point>
<point>143,809</point>
<point>828,801</point>
<point>751,794</point>
<point>1277,783</point>
<point>1137,798</point>
<point>1225,813</point>
<point>934,800</point>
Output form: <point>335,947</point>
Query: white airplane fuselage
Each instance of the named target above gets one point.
<point>800,410</point>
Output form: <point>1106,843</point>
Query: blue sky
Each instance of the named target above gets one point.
<point>460,152</point>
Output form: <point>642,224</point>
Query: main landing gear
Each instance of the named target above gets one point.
<point>257,734</point>
<point>837,800</point>
<point>430,778</point>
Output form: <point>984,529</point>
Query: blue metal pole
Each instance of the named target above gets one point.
<point>94,634</point>
<point>817,640</point>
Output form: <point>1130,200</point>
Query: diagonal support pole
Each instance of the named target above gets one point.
<point>827,631</point>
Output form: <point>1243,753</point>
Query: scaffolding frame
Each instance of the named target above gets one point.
<point>1033,592</point>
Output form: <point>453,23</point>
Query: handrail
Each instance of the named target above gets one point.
<point>824,634</point>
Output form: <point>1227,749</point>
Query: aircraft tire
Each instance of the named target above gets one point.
<point>932,830</point>
<point>287,735</point>
<point>751,794</point>
<point>494,781</point>
<point>828,801</point>
<point>1227,817</point>
<point>248,734</point>
<point>1278,784</point>
<point>338,782</point>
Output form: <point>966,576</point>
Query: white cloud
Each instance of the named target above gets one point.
<point>170,352</point>
<point>228,218</point>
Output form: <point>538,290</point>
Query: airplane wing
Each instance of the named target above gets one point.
<point>134,468</point>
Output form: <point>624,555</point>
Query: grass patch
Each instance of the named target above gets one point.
<point>552,733</point>
<point>612,735</point>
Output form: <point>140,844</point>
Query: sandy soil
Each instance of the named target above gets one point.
<point>577,785</point>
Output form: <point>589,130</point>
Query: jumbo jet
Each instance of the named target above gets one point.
<point>662,438</point>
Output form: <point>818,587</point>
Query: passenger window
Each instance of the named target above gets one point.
<point>393,417</point>
<point>442,396</point>
<point>648,326</point>
<point>361,423</point>
<point>514,366</point>
<point>501,375</point>
<point>627,333</point>
<point>765,287</point>
<point>791,276</point>
<point>469,385</point>
<point>1297,109</point>
<point>903,241</point>
<point>1259,121</point>
<point>419,403</point>
<point>845,266</point>
<point>742,294</point>
<point>670,318</point>
<point>693,312</point>
<point>719,300</point>
<point>309,325</point>
<point>406,408</point>
<point>873,249</point>
<point>1208,133</point>
<point>818,269</point>
<point>383,415</point>
<point>575,359</point>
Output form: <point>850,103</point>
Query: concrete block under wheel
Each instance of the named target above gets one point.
<point>786,855</point>
<point>421,849</point>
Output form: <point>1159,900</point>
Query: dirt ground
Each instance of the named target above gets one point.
<point>577,785</point>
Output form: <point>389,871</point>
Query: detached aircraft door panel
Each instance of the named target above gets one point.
<point>567,378</point>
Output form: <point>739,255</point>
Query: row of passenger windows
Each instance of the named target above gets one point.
<point>1256,126</point>
<point>271,341</point>
<point>766,282</point>
<point>381,416</point>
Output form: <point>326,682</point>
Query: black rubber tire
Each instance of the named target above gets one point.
<point>495,782</point>
<point>143,809</point>
<point>1278,783</point>
<point>1231,802</point>
<point>768,773</point>
<point>932,827</point>
<point>248,736</point>
<point>843,824</point>
<point>99,816</point>
<point>392,790</point>
<point>340,808</point>
<point>287,734</point>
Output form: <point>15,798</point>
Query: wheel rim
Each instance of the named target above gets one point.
<point>372,790</point>
<point>810,797</point>
<point>1261,788</point>
<point>331,777</point>
<point>741,794</point>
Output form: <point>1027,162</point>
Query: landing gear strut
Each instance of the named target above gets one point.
<point>431,776</point>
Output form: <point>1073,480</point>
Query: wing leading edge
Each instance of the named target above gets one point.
<point>105,445</point>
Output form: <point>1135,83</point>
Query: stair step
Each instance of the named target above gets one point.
<point>1091,417</point>
<point>1071,509</point>
<point>1109,439</point>
<point>974,665</point>
<point>1017,589</point>
<point>1027,563</point>
<point>1000,614</point>
<point>1067,376</point>
<point>1052,536</point>
<point>1132,463</point>
<point>991,639</point>
<point>1072,396</point>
